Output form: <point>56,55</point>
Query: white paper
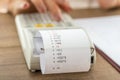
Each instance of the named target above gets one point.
<point>65,51</point>
<point>105,32</point>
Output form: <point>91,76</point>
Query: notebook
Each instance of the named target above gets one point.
<point>105,33</point>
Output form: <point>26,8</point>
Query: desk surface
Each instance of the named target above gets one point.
<point>12,63</point>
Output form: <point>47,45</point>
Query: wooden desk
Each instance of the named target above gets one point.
<point>12,63</point>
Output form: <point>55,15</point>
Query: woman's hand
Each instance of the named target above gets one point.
<point>54,6</point>
<point>107,4</point>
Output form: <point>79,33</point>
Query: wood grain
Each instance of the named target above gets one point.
<point>13,66</point>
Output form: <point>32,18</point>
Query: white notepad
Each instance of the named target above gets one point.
<point>105,32</point>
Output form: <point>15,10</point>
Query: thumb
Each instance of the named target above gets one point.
<point>17,6</point>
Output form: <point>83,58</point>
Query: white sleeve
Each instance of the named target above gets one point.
<point>84,4</point>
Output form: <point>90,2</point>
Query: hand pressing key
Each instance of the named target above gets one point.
<point>54,6</point>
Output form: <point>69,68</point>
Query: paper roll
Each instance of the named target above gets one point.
<point>65,51</point>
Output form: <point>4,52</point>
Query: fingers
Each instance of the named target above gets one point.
<point>54,9</point>
<point>16,6</point>
<point>53,6</point>
<point>40,5</point>
<point>64,4</point>
<point>106,4</point>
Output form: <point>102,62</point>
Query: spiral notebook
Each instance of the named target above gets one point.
<point>105,33</point>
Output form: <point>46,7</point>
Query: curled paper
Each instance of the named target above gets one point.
<point>64,51</point>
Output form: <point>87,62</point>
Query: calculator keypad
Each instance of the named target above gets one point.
<point>37,20</point>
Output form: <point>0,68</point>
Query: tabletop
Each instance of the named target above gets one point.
<point>12,62</point>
